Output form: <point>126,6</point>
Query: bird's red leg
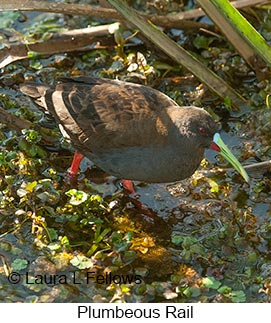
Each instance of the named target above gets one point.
<point>77,158</point>
<point>128,185</point>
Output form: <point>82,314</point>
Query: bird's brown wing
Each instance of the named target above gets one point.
<point>101,113</point>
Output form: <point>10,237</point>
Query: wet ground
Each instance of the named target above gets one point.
<point>204,239</point>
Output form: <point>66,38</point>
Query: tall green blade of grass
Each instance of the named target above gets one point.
<point>238,30</point>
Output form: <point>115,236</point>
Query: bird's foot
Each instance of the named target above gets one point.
<point>71,177</point>
<point>128,185</point>
<point>70,180</point>
<point>144,209</point>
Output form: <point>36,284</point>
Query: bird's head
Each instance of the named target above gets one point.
<point>201,130</point>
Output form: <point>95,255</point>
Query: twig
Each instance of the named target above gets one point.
<point>88,10</point>
<point>66,41</point>
<point>258,167</point>
<point>81,38</point>
<point>169,21</point>
<point>13,121</point>
<point>18,124</point>
<point>197,13</point>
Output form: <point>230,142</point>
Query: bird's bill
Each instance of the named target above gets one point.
<point>219,146</point>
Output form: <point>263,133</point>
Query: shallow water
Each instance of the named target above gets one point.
<point>214,225</point>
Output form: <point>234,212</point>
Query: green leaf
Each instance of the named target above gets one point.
<point>252,257</point>
<point>192,291</point>
<point>125,288</point>
<point>177,239</point>
<point>52,233</point>
<point>65,242</point>
<point>19,264</point>
<point>227,102</point>
<point>54,246</point>
<point>41,152</point>
<point>211,282</point>
<point>214,186</point>
<point>7,18</point>
<point>31,136</point>
<point>32,54</point>
<point>81,262</point>
<point>238,296</point>
<point>101,236</point>
<point>96,198</point>
<point>225,290</point>
<point>202,42</point>
<point>77,197</point>
<point>30,186</point>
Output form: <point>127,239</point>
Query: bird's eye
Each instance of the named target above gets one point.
<point>202,131</point>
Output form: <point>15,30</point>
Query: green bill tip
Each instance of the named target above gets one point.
<point>228,155</point>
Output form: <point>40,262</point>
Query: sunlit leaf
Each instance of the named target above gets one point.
<point>211,282</point>
<point>81,262</point>
<point>19,264</point>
